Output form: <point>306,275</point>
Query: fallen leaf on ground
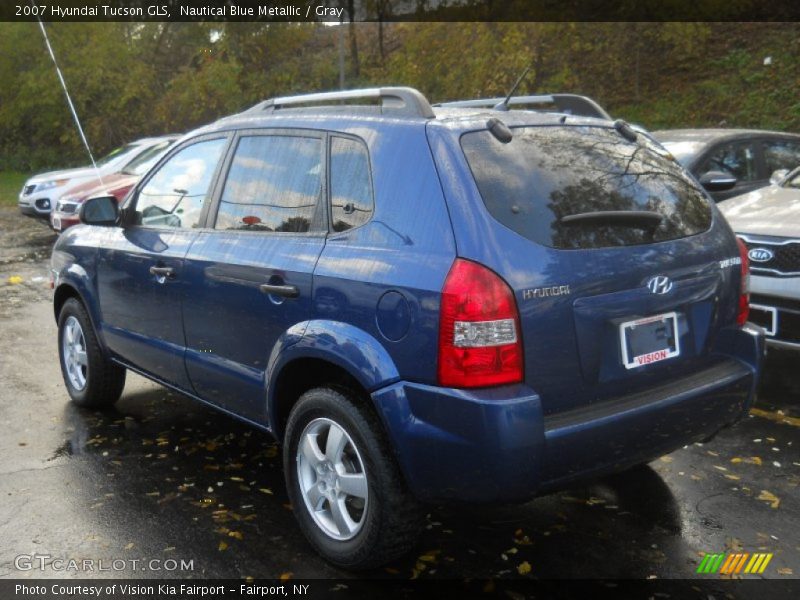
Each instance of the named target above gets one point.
<point>429,557</point>
<point>15,280</point>
<point>768,496</point>
<point>778,417</point>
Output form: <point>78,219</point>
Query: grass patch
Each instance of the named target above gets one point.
<point>10,186</point>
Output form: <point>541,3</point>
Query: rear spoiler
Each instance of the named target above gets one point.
<point>571,104</point>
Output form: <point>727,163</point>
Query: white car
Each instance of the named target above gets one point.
<point>41,192</point>
<point>768,220</point>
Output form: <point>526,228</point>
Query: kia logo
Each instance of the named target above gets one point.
<point>660,284</point>
<point>761,255</point>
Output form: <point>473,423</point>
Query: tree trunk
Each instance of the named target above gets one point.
<point>351,13</point>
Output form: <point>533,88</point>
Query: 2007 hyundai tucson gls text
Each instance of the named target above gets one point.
<point>422,304</point>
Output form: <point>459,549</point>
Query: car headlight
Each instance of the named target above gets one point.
<point>46,185</point>
<point>67,205</point>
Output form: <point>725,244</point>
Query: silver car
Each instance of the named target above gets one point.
<point>42,192</point>
<point>768,220</point>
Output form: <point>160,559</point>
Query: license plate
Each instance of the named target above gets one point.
<point>766,317</point>
<point>649,340</point>
<point>56,223</point>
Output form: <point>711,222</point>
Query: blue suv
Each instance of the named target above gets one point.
<point>422,304</point>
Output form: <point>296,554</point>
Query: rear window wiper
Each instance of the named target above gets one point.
<point>639,219</point>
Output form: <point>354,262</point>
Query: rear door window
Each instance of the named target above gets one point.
<point>548,173</point>
<point>274,184</point>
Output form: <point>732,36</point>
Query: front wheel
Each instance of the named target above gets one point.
<point>92,380</point>
<point>346,490</point>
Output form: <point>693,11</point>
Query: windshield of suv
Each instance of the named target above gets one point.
<point>584,187</point>
<point>142,163</point>
<point>115,154</point>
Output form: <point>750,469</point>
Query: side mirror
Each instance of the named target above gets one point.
<point>717,181</point>
<point>102,210</point>
<point>778,176</point>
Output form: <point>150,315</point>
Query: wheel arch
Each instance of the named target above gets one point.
<point>72,289</point>
<point>321,353</point>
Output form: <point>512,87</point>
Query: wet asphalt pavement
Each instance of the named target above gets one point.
<point>160,477</point>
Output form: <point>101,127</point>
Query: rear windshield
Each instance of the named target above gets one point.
<point>547,173</point>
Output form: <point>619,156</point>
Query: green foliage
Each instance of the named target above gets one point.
<point>10,185</point>
<point>132,79</point>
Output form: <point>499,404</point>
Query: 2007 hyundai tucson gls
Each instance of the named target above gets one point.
<point>422,304</point>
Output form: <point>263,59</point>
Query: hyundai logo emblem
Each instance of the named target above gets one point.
<point>761,255</point>
<point>660,284</point>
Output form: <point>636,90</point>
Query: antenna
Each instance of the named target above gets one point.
<point>69,102</point>
<point>504,104</point>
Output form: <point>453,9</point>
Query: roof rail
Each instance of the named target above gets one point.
<point>403,101</point>
<point>565,103</point>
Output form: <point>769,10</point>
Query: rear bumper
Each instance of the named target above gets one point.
<point>495,445</point>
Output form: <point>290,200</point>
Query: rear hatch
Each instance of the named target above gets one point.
<point>623,271</point>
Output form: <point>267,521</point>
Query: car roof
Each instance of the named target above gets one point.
<point>387,105</point>
<point>709,135</point>
<point>156,139</point>
<point>349,117</point>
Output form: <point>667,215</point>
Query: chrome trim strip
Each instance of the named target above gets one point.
<point>785,242</point>
<point>783,344</point>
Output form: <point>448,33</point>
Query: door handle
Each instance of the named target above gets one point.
<point>165,272</point>
<point>287,291</point>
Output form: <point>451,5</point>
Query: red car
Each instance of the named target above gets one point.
<point>65,213</point>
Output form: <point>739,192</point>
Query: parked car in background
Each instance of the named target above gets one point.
<point>422,304</point>
<point>768,220</point>
<point>41,192</point>
<point>731,162</point>
<point>65,213</point>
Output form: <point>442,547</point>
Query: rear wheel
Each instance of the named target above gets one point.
<point>92,380</point>
<point>346,490</point>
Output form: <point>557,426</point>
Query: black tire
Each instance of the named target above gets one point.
<point>392,519</point>
<point>104,380</point>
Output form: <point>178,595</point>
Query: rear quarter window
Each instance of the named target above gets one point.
<point>547,173</point>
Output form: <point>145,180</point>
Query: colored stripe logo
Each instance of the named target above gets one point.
<point>734,563</point>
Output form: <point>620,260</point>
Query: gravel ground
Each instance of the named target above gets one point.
<point>24,254</point>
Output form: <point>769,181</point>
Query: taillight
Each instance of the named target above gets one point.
<point>744,292</point>
<point>479,334</point>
